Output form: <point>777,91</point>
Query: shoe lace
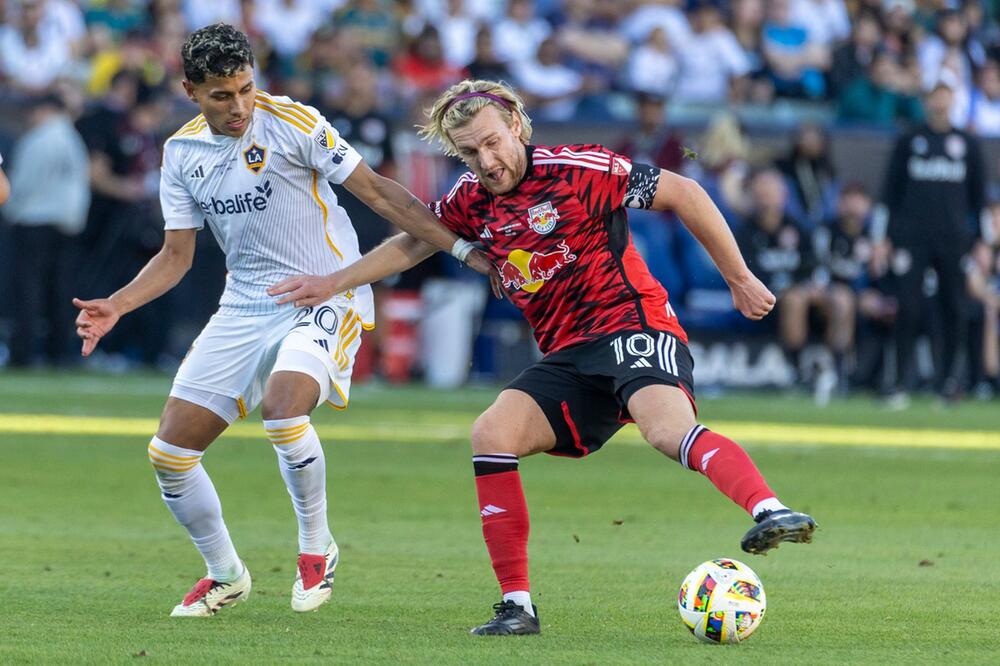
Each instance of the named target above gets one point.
<point>505,608</point>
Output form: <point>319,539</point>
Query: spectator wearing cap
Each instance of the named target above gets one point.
<point>713,66</point>
<point>44,222</point>
<point>796,64</point>
<point>984,107</point>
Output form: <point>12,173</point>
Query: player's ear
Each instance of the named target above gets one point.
<point>189,90</point>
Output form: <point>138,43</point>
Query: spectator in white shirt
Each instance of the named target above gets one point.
<point>288,24</point>
<point>517,37</point>
<point>826,21</point>
<point>653,66</point>
<point>31,57</point>
<point>665,14</point>
<point>549,86</point>
<point>984,113</point>
<point>458,34</point>
<point>713,65</point>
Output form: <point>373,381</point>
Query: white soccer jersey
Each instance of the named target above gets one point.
<point>267,198</point>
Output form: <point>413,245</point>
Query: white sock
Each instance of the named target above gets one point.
<point>769,504</point>
<point>522,598</point>
<point>189,494</point>
<point>303,467</point>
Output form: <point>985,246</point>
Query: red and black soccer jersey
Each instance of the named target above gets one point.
<point>562,243</point>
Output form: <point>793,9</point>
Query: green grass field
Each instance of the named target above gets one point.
<point>904,568</point>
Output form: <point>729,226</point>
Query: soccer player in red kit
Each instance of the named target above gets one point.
<point>554,221</point>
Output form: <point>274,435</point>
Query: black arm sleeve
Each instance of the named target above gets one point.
<point>641,186</point>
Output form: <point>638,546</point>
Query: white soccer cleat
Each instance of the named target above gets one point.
<point>314,581</point>
<point>208,596</point>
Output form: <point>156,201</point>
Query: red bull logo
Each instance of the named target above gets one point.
<point>530,270</point>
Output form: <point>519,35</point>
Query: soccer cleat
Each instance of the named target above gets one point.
<point>510,620</point>
<point>208,596</point>
<point>773,527</point>
<point>314,581</point>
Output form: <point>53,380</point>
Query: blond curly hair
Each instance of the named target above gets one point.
<point>447,114</point>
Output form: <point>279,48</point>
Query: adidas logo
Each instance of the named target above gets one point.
<point>490,510</point>
<point>486,233</point>
<point>705,458</point>
<point>641,363</point>
<point>198,173</point>
<point>323,343</point>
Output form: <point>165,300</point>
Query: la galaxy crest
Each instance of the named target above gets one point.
<point>542,218</point>
<point>325,139</point>
<point>255,156</point>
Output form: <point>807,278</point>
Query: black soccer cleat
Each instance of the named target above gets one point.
<point>773,527</point>
<point>510,620</point>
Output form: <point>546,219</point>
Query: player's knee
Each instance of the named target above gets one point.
<point>488,437</point>
<point>667,439</point>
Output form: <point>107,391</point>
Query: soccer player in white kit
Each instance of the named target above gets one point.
<point>256,168</point>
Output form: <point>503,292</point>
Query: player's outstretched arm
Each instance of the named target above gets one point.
<point>98,316</point>
<point>394,255</point>
<point>702,217</point>
<point>398,205</point>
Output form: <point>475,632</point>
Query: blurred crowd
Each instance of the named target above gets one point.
<point>89,91</point>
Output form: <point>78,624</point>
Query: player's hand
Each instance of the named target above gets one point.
<point>96,318</point>
<point>752,298</point>
<point>304,290</point>
<point>480,262</point>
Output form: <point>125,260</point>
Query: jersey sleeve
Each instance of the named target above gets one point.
<point>322,148</point>
<point>452,210</point>
<point>180,210</point>
<point>606,181</point>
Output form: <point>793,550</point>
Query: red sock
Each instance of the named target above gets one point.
<point>726,465</point>
<point>505,519</point>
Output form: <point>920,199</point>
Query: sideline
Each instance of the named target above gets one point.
<point>754,432</point>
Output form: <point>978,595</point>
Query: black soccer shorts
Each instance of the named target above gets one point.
<point>584,389</point>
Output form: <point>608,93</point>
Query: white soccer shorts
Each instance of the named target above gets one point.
<point>234,356</point>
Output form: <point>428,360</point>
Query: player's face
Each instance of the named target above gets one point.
<point>225,101</point>
<point>492,149</point>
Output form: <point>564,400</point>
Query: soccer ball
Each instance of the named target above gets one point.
<point>722,601</point>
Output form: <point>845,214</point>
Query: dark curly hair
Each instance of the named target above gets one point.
<point>215,50</point>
